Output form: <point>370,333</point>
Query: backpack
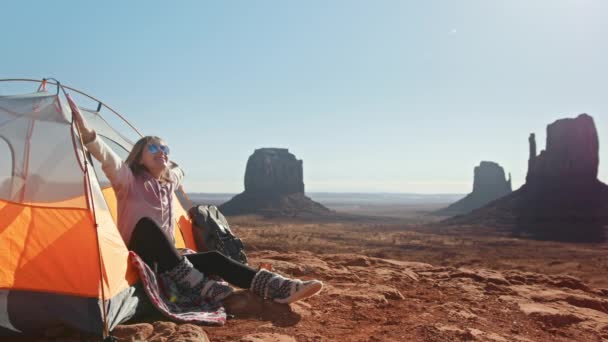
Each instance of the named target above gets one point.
<point>212,233</point>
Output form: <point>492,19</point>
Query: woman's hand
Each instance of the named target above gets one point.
<point>87,134</point>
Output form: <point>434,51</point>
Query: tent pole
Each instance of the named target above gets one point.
<point>91,205</point>
<point>76,91</point>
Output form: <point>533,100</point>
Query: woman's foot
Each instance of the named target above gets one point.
<point>191,283</point>
<point>215,291</point>
<point>297,289</point>
<point>281,289</point>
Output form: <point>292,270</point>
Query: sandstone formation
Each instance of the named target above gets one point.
<point>570,160</point>
<point>274,186</point>
<point>489,184</point>
<point>562,197</point>
<point>274,171</point>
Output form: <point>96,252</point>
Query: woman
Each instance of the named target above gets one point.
<point>144,184</point>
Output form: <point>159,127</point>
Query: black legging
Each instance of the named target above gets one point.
<point>153,246</point>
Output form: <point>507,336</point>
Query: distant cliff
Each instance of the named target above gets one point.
<point>274,186</point>
<point>570,160</point>
<point>489,184</point>
<point>562,197</point>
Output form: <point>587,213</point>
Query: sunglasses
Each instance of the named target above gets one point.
<point>154,148</point>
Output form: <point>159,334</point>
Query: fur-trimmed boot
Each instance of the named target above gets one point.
<point>193,282</point>
<point>283,290</point>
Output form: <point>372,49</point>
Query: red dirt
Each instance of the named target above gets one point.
<point>390,282</point>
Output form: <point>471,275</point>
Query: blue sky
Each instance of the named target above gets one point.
<point>374,96</point>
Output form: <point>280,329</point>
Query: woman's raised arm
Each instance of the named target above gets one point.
<point>113,166</point>
<point>86,133</point>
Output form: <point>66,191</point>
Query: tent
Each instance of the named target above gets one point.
<point>62,259</point>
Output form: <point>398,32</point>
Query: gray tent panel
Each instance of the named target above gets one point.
<point>28,312</point>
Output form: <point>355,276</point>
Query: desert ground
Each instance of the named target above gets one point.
<point>410,282</point>
<point>393,273</point>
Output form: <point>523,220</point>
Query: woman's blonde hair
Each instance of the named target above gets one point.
<point>134,158</point>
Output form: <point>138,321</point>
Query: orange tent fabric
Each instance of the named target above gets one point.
<point>63,260</point>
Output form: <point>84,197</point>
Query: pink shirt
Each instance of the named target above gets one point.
<point>137,196</point>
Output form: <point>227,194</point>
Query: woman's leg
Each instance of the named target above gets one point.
<point>153,246</point>
<point>222,266</point>
<point>263,283</point>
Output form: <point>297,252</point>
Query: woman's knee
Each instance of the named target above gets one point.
<point>146,222</point>
<point>146,226</point>
<point>215,256</point>
<point>208,261</point>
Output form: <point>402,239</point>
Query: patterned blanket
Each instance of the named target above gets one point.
<point>174,305</point>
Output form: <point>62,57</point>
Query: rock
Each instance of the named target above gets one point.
<point>532,154</point>
<point>489,184</point>
<point>571,157</point>
<point>273,171</point>
<point>562,198</point>
<point>489,177</point>
<point>483,276</point>
<point>485,336</point>
<point>561,184</point>
<point>133,332</point>
<point>191,332</point>
<point>549,316</point>
<point>391,293</point>
<point>359,261</point>
<point>160,331</point>
<point>244,304</point>
<point>164,327</point>
<point>274,186</point>
<point>267,337</point>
